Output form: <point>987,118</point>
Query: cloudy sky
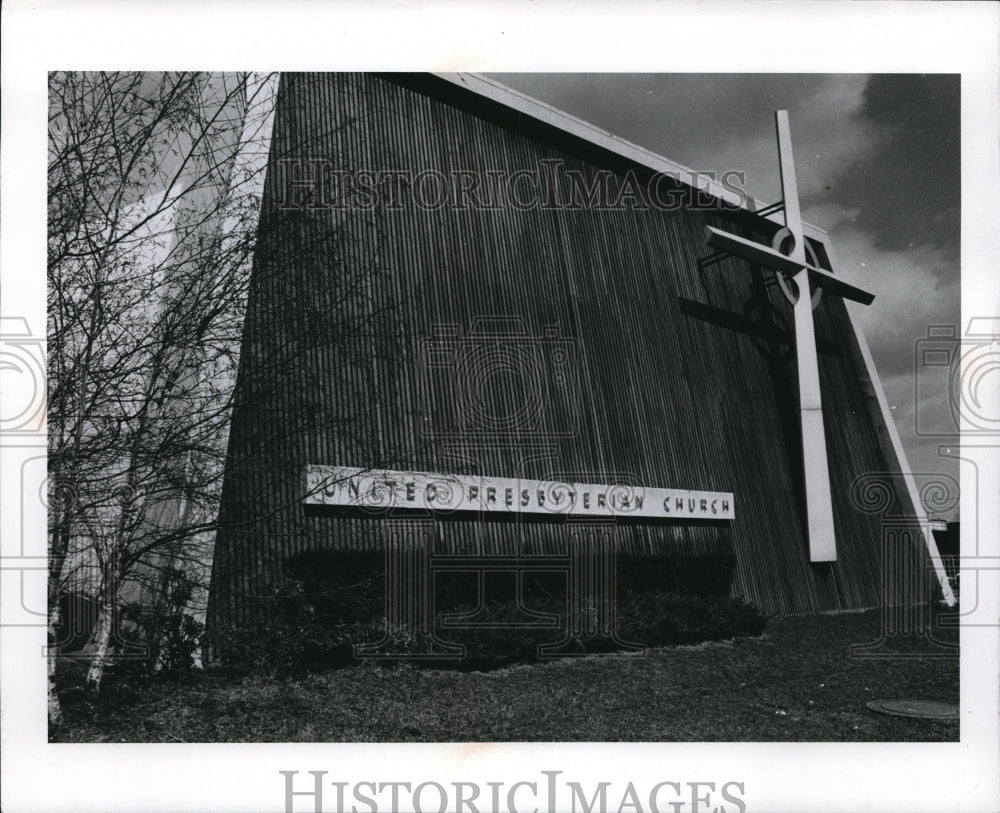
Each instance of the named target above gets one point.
<point>878,165</point>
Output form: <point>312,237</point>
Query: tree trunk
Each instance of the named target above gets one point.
<point>55,708</point>
<point>57,558</point>
<point>102,644</point>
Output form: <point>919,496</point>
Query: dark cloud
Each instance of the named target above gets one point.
<point>877,161</point>
<point>907,188</point>
<point>694,119</point>
<point>669,107</point>
<point>893,159</point>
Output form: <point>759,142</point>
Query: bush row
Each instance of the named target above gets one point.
<point>294,638</point>
<point>350,584</point>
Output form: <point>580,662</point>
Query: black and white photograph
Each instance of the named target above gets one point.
<point>506,434</point>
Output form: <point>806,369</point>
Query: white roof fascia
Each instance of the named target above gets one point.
<point>515,100</point>
<point>509,97</point>
<point>897,447</point>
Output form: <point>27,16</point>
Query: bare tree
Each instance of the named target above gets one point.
<point>155,185</point>
<point>152,196</point>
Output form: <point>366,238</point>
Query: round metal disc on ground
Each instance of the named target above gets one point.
<point>924,709</point>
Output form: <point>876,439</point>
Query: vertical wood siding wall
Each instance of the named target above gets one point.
<point>653,371</point>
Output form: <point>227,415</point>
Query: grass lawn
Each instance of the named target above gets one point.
<point>798,682</point>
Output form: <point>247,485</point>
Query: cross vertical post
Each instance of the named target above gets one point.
<point>819,506</point>
<point>788,257</point>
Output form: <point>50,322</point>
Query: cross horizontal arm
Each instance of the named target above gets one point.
<point>770,258</point>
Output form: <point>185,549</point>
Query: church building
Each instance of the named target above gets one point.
<point>484,329</point>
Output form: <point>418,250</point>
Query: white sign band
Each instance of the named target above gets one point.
<point>378,490</point>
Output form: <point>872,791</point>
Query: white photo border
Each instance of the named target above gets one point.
<point>713,37</point>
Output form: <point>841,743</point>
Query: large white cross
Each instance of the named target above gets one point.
<point>787,257</point>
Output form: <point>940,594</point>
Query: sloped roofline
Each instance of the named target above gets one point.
<point>574,127</point>
<point>489,88</point>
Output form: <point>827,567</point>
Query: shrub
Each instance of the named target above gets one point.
<point>77,617</point>
<point>349,584</point>
<point>337,585</point>
<point>501,643</point>
<point>333,602</point>
<point>456,591</point>
<point>650,619</point>
<point>669,619</point>
<point>291,635</point>
<point>700,575</point>
<point>160,636</point>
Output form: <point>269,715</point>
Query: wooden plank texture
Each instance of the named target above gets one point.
<point>543,342</point>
